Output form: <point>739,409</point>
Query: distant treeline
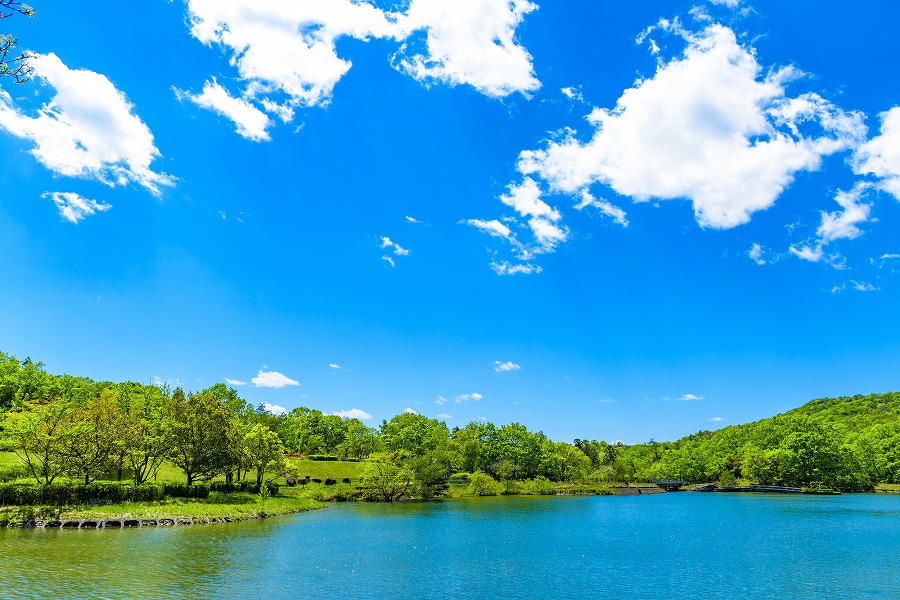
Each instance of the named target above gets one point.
<point>64,426</point>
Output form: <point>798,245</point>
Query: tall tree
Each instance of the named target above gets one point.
<point>201,429</point>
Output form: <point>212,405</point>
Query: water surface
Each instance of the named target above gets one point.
<point>663,546</point>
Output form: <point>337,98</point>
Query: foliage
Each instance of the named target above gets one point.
<point>202,433</point>
<point>388,477</point>
<point>18,67</point>
<point>539,486</point>
<point>482,484</point>
<point>264,451</point>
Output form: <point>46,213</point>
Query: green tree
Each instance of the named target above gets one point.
<point>147,434</point>
<point>41,435</point>
<point>201,435</point>
<point>388,477</point>
<point>93,432</point>
<point>265,451</point>
<point>359,440</point>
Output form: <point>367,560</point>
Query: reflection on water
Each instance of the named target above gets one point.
<point>654,546</point>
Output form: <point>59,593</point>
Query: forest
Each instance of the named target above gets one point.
<point>67,428</point>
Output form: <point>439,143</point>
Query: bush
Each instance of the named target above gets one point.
<point>183,490</point>
<point>482,484</point>
<point>242,486</point>
<point>539,486</point>
<point>324,457</point>
<point>30,494</point>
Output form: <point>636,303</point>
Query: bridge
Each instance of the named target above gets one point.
<point>670,485</point>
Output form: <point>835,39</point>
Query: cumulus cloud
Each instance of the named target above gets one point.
<point>880,156</point>
<point>87,129</point>
<point>709,127</point>
<point>466,397</point>
<point>410,411</point>
<point>335,367</point>
<point>272,379</point>
<point>75,208</point>
<point>274,409</point>
<point>862,286</point>
<point>235,382</point>
<point>467,42</point>
<point>251,122</point>
<point>353,413</point>
<point>505,366</point>
<point>688,398</point>
<point>285,53</point>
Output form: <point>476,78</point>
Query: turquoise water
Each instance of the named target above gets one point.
<point>663,546</point>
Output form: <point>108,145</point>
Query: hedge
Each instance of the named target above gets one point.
<point>242,486</point>
<point>24,494</point>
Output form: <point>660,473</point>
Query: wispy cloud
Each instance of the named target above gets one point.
<point>501,367</point>
<point>443,416</point>
<point>234,382</point>
<point>688,398</point>
<point>475,397</point>
<point>440,400</point>
<point>75,208</point>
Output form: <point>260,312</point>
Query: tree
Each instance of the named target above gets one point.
<point>18,67</point>
<point>147,432</point>
<point>92,435</point>
<point>201,433</point>
<point>41,435</point>
<point>265,452</point>
<point>387,476</point>
<point>359,440</point>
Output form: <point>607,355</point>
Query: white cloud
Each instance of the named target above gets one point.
<point>688,397</point>
<point>412,220</point>
<point>272,379</point>
<point>573,93</point>
<point>443,416</point>
<point>756,254</point>
<point>492,227</point>
<point>466,397</point>
<point>251,122</point>
<point>440,400</point>
<point>285,51</point>
<point>73,207</point>
<point>274,409</point>
<point>889,256</point>
<point>605,207</point>
<point>507,268</point>
<point>716,419</point>
<point>468,42</point>
<point>398,250</point>
<point>708,127</point>
<point>234,382</point>
<point>505,366</point>
<point>87,129</point>
<point>158,382</point>
<point>880,156</point>
<point>335,366</point>
<point>410,411</point>
<point>838,225</point>
<point>389,260</point>
<point>353,413</point>
<point>728,3</point>
<point>862,286</point>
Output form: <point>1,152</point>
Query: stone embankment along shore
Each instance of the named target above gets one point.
<point>635,491</point>
<point>130,523</point>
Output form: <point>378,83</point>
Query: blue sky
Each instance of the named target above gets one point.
<point>601,220</point>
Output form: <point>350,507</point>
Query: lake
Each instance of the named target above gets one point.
<point>663,546</point>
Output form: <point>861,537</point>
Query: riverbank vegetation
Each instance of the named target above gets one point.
<point>60,430</point>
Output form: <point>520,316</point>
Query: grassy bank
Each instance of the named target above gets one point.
<point>234,507</point>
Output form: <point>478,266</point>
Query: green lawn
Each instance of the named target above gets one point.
<point>11,467</point>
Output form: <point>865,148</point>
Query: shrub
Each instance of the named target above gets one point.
<point>482,484</point>
<point>324,457</point>
<point>242,486</point>
<point>17,494</point>
<point>539,486</point>
<point>183,490</point>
